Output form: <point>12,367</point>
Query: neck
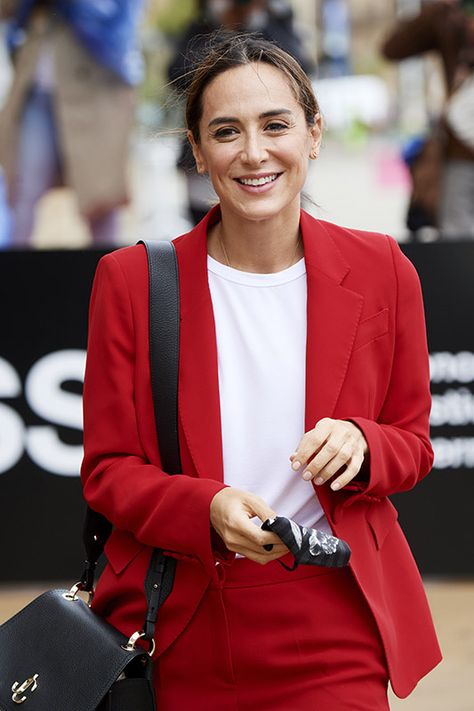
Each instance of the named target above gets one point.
<point>260,246</point>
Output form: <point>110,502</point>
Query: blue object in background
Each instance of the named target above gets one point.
<point>336,38</point>
<point>5,217</point>
<point>106,28</point>
<point>412,148</point>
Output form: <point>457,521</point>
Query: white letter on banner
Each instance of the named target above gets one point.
<point>12,429</point>
<point>47,399</point>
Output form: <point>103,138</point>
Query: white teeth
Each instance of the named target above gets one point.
<point>258,181</point>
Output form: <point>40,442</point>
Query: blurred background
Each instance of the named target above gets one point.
<point>372,109</point>
<point>93,157</point>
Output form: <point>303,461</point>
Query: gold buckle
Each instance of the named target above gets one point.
<point>132,643</point>
<point>71,595</point>
<point>30,685</point>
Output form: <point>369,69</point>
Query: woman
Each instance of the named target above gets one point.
<point>303,391</point>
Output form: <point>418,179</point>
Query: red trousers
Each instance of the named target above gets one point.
<point>265,639</point>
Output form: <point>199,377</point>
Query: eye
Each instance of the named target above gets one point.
<point>276,126</point>
<point>226,132</point>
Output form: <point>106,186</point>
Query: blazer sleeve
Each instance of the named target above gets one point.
<point>400,452</point>
<point>169,512</point>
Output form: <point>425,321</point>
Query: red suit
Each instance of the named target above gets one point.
<point>366,361</point>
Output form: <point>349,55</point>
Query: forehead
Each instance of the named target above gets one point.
<point>250,88</point>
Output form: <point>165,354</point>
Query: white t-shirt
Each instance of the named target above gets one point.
<point>261,345</point>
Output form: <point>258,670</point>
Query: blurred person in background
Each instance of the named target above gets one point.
<point>4,84</point>
<point>273,20</point>
<point>335,21</point>
<point>443,166</point>
<point>70,109</point>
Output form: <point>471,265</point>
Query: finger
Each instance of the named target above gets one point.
<point>235,543</point>
<point>348,475</point>
<point>259,554</point>
<point>330,460</point>
<point>311,442</point>
<point>254,540</point>
<point>261,557</point>
<point>327,454</point>
<point>277,550</point>
<point>258,507</point>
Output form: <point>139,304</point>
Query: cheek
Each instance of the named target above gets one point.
<point>219,159</point>
<point>296,154</point>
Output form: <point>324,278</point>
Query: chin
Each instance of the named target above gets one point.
<point>256,212</point>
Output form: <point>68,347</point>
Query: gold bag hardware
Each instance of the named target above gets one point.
<point>29,685</point>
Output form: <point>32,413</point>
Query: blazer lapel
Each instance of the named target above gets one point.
<point>199,407</point>
<point>333,315</point>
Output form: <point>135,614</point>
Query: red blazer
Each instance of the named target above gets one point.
<point>366,361</point>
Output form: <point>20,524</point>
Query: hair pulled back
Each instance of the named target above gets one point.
<point>228,50</point>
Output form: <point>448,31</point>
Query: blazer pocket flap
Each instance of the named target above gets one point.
<point>121,549</point>
<point>381,516</point>
<point>371,328</point>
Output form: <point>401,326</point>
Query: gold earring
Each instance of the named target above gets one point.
<point>314,154</point>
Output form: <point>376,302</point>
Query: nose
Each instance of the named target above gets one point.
<point>254,151</point>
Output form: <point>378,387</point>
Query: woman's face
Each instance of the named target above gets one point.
<point>254,141</point>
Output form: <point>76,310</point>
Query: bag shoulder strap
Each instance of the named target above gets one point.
<point>164,348</point>
<point>164,358</point>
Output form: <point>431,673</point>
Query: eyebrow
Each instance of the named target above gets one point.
<point>233,119</point>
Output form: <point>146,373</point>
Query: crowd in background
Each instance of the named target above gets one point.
<point>82,74</point>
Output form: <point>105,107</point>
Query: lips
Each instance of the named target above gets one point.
<point>258,181</point>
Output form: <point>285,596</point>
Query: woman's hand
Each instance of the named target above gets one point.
<point>231,511</point>
<point>332,446</point>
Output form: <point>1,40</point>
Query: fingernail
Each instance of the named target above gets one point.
<point>307,475</point>
<point>335,486</point>
<point>292,456</point>
<point>295,466</point>
<point>319,481</point>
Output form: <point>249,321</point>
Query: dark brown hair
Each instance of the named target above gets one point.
<point>227,50</point>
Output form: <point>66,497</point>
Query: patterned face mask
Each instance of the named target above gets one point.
<point>309,546</point>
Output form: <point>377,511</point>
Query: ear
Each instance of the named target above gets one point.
<point>316,133</point>
<point>197,153</point>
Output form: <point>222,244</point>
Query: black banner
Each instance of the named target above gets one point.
<point>437,515</point>
<point>43,326</point>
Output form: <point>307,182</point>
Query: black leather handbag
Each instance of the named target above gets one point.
<point>57,654</point>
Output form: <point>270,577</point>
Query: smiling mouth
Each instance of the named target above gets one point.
<point>256,182</point>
